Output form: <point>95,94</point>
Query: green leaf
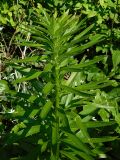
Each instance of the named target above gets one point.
<point>83,155</point>
<point>33,130</point>
<point>104,115</point>
<point>3,86</point>
<point>69,155</point>
<point>93,85</point>
<point>48,67</point>
<point>91,107</point>
<point>67,90</point>
<point>96,124</point>
<point>44,147</point>
<point>79,36</point>
<point>45,110</point>
<point>54,134</point>
<point>64,119</point>
<point>30,76</point>
<point>75,141</point>
<point>101,139</point>
<point>83,129</point>
<point>77,50</point>
<point>38,30</point>
<point>103,3</point>
<point>116,57</point>
<point>27,59</point>
<point>20,131</point>
<point>19,111</point>
<point>78,67</point>
<point>37,85</point>
<point>87,109</point>
<point>44,41</point>
<point>30,44</point>
<point>47,88</point>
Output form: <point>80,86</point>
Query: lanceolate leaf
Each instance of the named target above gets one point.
<point>69,155</point>
<point>94,85</point>
<point>95,124</point>
<point>30,76</point>
<point>67,90</point>
<point>64,119</point>
<point>47,88</point>
<point>79,36</point>
<point>77,50</point>
<point>75,141</point>
<point>101,139</point>
<point>83,129</point>
<point>78,67</point>
<point>33,130</point>
<point>87,109</point>
<point>45,110</point>
<point>25,60</point>
<point>21,133</point>
<point>83,155</point>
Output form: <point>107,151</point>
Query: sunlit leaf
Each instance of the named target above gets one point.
<point>45,110</point>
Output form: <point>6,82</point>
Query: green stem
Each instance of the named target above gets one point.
<point>57,88</point>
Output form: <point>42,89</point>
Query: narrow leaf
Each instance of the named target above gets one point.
<point>79,36</point>
<point>83,155</point>
<point>27,59</point>
<point>47,88</point>
<point>101,139</point>
<point>69,155</point>
<point>77,142</point>
<point>67,90</point>
<point>77,50</point>
<point>96,124</point>
<point>45,110</point>
<point>78,67</point>
<point>83,129</point>
<point>29,77</point>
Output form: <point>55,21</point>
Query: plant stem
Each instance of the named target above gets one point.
<point>57,88</point>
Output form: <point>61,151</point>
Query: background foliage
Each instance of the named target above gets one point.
<point>59,87</point>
